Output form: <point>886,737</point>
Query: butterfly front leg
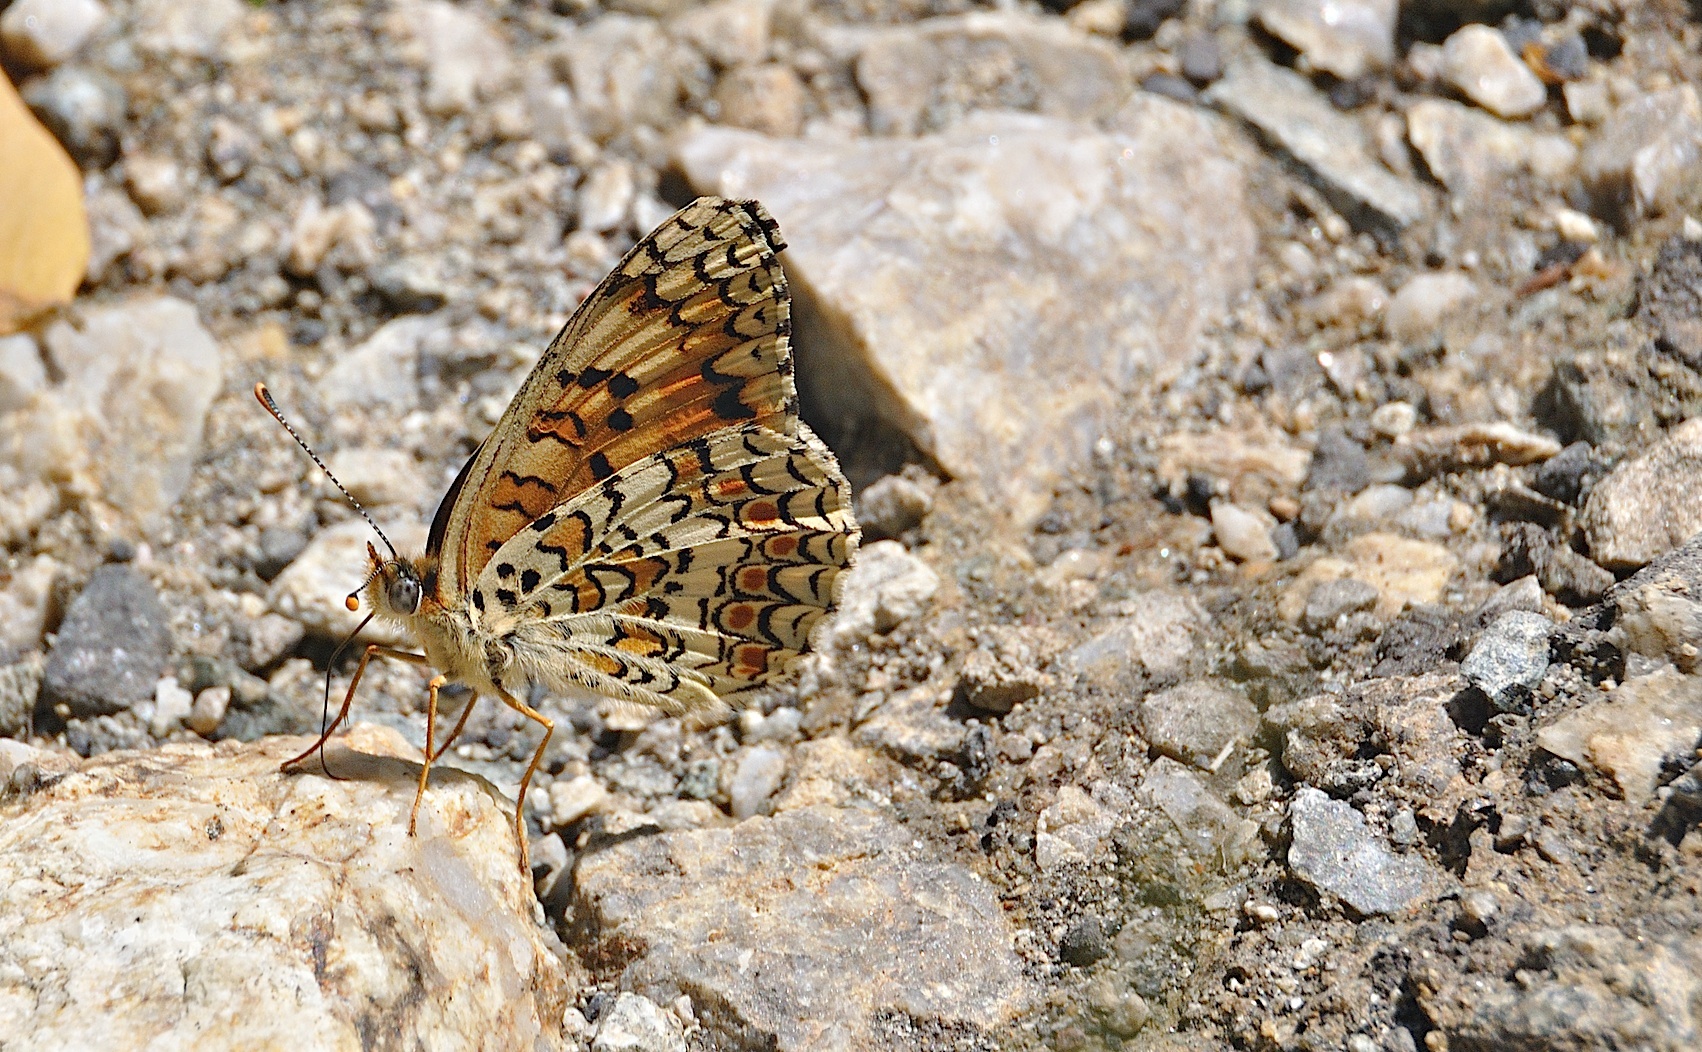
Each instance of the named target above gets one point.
<point>373,650</point>
<point>436,684</point>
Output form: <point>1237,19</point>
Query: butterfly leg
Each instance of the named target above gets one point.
<point>436,684</point>
<point>455,732</point>
<point>373,650</point>
<point>520,805</point>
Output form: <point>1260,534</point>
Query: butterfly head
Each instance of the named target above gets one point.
<point>393,587</point>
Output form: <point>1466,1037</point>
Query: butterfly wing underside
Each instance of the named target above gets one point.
<point>689,577</point>
<point>649,519</point>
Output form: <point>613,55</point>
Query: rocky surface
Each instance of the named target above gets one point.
<point>1276,421</point>
<point>194,896</point>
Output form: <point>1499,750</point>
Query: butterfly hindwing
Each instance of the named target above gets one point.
<point>687,336</point>
<point>699,571</point>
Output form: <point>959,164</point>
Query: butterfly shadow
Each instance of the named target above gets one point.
<point>341,762</point>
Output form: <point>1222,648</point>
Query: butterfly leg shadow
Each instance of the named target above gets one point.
<point>373,650</point>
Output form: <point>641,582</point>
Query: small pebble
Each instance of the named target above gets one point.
<point>172,705</point>
<point>209,711</point>
<point>1479,62</point>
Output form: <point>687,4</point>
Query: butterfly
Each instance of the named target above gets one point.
<point>649,519</point>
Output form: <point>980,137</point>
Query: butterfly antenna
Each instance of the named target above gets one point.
<point>265,398</point>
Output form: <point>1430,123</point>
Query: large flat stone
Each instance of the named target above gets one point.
<point>191,897</point>
<point>802,931</point>
<point>992,291</point>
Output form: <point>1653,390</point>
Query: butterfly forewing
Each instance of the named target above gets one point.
<point>699,571</point>
<point>687,336</point>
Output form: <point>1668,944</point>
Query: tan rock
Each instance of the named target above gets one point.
<point>218,898</point>
<point>807,929</point>
<point>948,285</point>
<point>1630,735</point>
<point>1644,508</point>
<point>1403,571</point>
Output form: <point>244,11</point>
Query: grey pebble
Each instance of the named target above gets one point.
<point>85,110</point>
<point>1334,851</point>
<point>1510,658</point>
<point>1330,601</point>
<point>111,648</point>
<point>1084,942</point>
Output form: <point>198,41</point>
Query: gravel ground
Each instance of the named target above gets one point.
<point>1275,627</point>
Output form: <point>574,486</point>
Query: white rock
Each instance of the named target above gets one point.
<point>1076,825</point>
<point>124,426</point>
<point>1394,419</point>
<point>884,588</point>
<point>317,230</point>
<point>28,504</point>
<point>1348,38</point>
<point>1471,152</point>
<point>927,75</point>
<point>21,372</point>
<point>208,711</point>
<point>1215,834</point>
<point>384,370</point>
<point>756,778</point>
<point>606,196</point>
<point>1647,152</point>
<point>381,476</point>
<point>1478,61</point>
<point>638,1024</point>
<point>1157,631</point>
<point>44,33</point>
<point>1374,503</point>
<point>574,798</point>
<point>1244,534</point>
<point>209,880</point>
<point>311,589</point>
<point>24,596</point>
<point>155,183</point>
<point>172,705</point>
<point>1587,101</point>
<point>1427,300</point>
<point>465,58</point>
<point>624,71</point>
<point>194,28</point>
<point>730,32</point>
<point>1576,227</point>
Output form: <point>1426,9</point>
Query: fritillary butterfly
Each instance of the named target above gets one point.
<point>649,519</point>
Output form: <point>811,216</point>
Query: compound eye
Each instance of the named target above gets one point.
<point>404,595</point>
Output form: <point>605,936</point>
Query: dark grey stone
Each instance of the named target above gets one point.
<point>1563,476</point>
<point>112,647</point>
<point>1338,463</point>
<point>1084,942</point>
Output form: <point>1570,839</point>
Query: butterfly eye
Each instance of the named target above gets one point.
<point>404,595</point>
